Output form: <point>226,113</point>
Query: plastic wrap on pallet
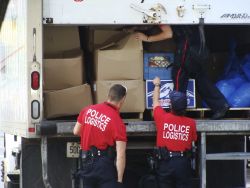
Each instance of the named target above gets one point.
<point>246,66</point>
<point>241,97</point>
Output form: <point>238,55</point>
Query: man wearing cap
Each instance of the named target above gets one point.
<point>175,134</point>
<point>103,138</point>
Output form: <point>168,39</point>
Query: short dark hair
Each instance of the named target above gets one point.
<point>117,92</point>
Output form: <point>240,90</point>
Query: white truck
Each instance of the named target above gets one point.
<point>47,147</point>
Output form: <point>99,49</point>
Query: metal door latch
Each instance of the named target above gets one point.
<point>152,15</point>
<point>180,11</point>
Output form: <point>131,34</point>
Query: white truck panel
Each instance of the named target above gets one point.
<point>15,66</point>
<point>122,11</point>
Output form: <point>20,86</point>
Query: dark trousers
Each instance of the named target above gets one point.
<point>99,172</point>
<point>189,64</point>
<point>174,173</point>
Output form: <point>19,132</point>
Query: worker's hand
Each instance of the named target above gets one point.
<point>140,36</point>
<point>157,81</point>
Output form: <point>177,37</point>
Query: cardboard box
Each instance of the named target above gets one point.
<point>104,37</point>
<point>135,99</point>
<point>96,36</point>
<point>58,39</point>
<point>158,64</point>
<point>64,70</point>
<point>67,102</point>
<point>166,87</point>
<point>121,60</point>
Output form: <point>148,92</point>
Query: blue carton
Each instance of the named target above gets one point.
<point>166,88</point>
<point>158,64</point>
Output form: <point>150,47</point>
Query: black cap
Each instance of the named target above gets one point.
<point>178,100</point>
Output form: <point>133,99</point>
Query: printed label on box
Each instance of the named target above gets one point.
<point>158,64</point>
<point>166,88</point>
<point>159,61</point>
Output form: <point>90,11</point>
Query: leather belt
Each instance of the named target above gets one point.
<point>162,153</point>
<point>95,153</point>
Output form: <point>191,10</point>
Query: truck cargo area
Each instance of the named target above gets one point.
<point>57,57</point>
<point>228,45</point>
<point>141,131</point>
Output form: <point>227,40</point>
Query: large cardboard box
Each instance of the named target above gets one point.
<point>135,99</point>
<point>60,38</point>
<point>67,102</point>
<point>121,60</point>
<point>64,70</point>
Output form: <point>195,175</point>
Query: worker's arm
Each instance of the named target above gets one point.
<point>156,93</point>
<point>77,129</point>
<point>166,33</point>
<point>120,159</point>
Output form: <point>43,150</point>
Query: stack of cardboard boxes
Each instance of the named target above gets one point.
<point>64,73</point>
<point>120,61</point>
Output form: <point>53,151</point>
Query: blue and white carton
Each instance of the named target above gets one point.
<point>158,64</point>
<point>166,87</point>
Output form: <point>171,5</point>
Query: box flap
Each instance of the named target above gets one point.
<point>105,37</point>
<point>121,41</point>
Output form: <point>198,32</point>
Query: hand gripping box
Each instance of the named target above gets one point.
<point>166,88</point>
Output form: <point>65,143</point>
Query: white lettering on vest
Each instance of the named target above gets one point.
<point>176,132</point>
<point>97,119</point>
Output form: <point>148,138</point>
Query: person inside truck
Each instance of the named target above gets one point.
<point>190,55</point>
<point>175,134</point>
<point>103,139</point>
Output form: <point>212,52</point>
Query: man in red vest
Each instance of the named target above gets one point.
<point>103,138</point>
<point>175,134</point>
